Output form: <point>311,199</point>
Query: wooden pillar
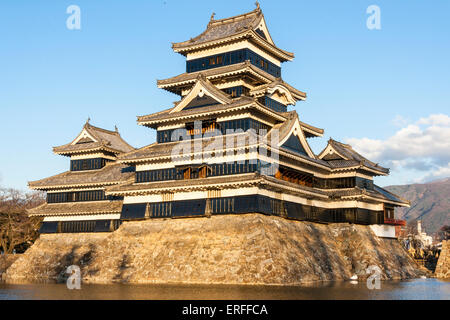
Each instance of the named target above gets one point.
<point>208,211</point>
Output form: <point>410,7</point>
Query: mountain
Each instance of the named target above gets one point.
<point>430,202</point>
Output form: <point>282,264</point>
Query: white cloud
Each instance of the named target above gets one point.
<point>421,146</point>
<point>400,121</point>
<point>436,119</point>
<point>440,173</point>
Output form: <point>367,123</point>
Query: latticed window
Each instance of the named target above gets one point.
<point>273,104</point>
<point>88,164</point>
<point>78,196</point>
<point>233,57</point>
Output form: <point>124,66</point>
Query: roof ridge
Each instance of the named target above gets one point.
<point>90,126</point>
<point>364,159</point>
<point>256,11</point>
<point>343,144</point>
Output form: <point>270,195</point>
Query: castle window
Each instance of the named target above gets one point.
<point>88,164</point>
<point>187,174</point>
<point>198,171</point>
<point>273,104</point>
<point>203,172</point>
<point>389,212</point>
<point>233,57</point>
<point>79,196</point>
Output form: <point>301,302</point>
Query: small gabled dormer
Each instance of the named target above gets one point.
<point>202,94</point>
<point>292,135</point>
<point>343,156</point>
<point>93,148</point>
<point>277,95</point>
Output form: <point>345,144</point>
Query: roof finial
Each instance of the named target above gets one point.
<point>257,5</point>
<point>212,16</point>
<point>115,128</point>
<point>88,119</point>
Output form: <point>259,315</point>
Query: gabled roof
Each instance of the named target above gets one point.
<point>339,155</point>
<point>249,25</point>
<point>311,131</point>
<point>203,90</point>
<point>291,130</point>
<point>112,173</point>
<point>292,94</point>
<point>237,105</point>
<point>169,115</point>
<point>92,139</point>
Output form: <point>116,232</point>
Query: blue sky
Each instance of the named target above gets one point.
<point>386,91</point>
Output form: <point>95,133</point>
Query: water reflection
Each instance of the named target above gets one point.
<point>419,289</point>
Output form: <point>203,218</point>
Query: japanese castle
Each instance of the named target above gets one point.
<point>231,144</point>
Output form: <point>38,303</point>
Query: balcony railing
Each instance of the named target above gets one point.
<point>395,222</point>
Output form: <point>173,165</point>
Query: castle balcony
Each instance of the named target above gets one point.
<point>395,222</point>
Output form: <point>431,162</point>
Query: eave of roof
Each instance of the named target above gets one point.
<point>108,175</point>
<point>313,131</point>
<point>248,179</point>
<point>378,194</point>
<point>132,188</point>
<point>219,72</point>
<point>77,208</point>
<point>238,104</point>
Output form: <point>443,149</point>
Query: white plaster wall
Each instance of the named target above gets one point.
<point>383,230</point>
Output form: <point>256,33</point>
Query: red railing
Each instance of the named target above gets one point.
<point>395,222</point>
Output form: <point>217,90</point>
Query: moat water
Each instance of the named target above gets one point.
<point>418,289</point>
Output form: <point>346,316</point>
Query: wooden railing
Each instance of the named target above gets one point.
<point>395,222</point>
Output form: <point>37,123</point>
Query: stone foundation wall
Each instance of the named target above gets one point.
<point>5,262</point>
<point>443,265</point>
<point>229,249</point>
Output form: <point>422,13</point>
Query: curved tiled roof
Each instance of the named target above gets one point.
<point>77,208</point>
<point>131,186</point>
<point>247,179</point>
<point>112,173</point>
<point>377,192</point>
<point>157,150</point>
<point>228,29</point>
<point>105,140</point>
<point>167,115</point>
<point>191,77</point>
<point>350,158</point>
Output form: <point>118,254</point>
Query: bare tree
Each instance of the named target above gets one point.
<point>443,233</point>
<point>17,230</point>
